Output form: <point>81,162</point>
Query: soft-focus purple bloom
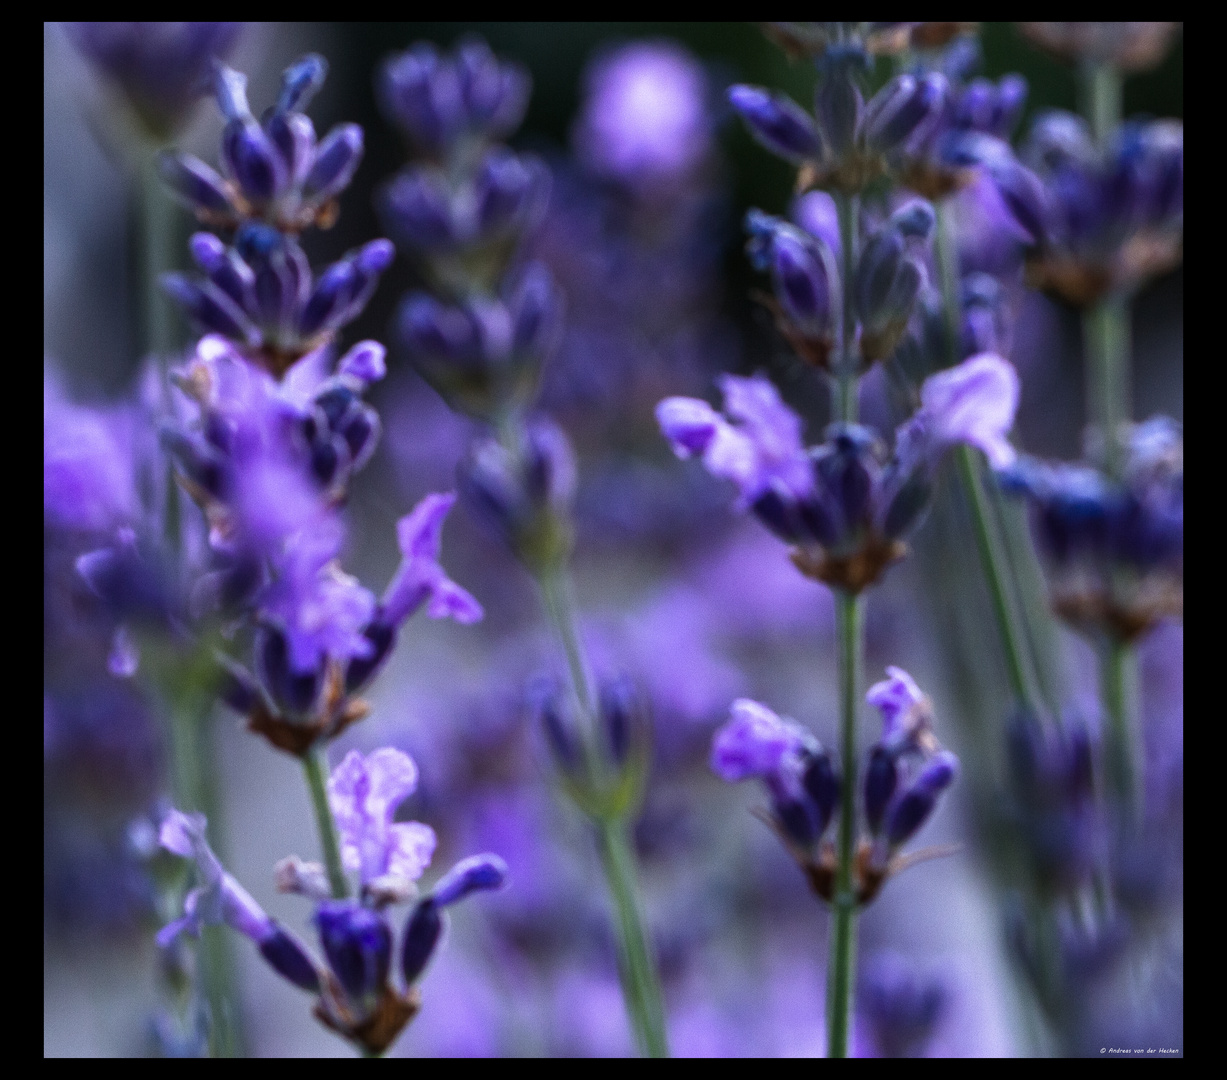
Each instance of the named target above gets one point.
<point>900,1008</point>
<point>219,898</point>
<point>645,121</point>
<point>321,611</point>
<point>815,212</point>
<point>89,467</point>
<point>364,794</point>
<point>906,712</point>
<point>420,579</point>
<point>754,742</point>
<point>973,403</point>
<point>760,447</point>
<point>162,68</point>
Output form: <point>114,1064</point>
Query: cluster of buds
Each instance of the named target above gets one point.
<point>260,294</point>
<point>322,636</point>
<point>356,994</point>
<point>1112,540</point>
<point>846,143</point>
<point>844,506</point>
<point>887,279</point>
<point>1096,220</point>
<point>272,169</point>
<point>601,761</point>
<point>903,778</point>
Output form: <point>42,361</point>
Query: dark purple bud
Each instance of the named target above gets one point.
<point>821,783</point>
<point>536,312</point>
<point>902,108</point>
<point>1023,195</point>
<point>803,270</point>
<point>194,183</point>
<point>495,95</point>
<point>881,779</point>
<point>358,945</point>
<point>422,934</point>
<point>225,269</point>
<point>239,689</point>
<point>838,105</point>
<point>210,309</point>
<point>846,471</point>
<point>252,160</point>
<point>778,122</point>
<point>286,956</point>
<point>344,288</point>
<point>510,190</point>
<point>911,811</point>
<point>797,819</point>
<point>477,873</point>
<point>910,498</point>
<point>876,271</point>
<point>546,703</point>
<point>431,328</point>
<point>622,718</point>
<point>294,137</point>
<point>361,435</point>
<point>416,208</point>
<point>336,161</point>
<point>777,508</point>
<point>291,690</point>
<point>300,82</point>
<point>420,94</point>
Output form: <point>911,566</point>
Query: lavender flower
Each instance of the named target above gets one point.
<point>1113,545</point>
<point>645,123</point>
<point>439,100</point>
<point>1097,220</point>
<point>797,771</point>
<point>219,898</point>
<point>847,143</point>
<point>259,294</point>
<point>843,506</point>
<point>273,170</point>
<point>161,69</point>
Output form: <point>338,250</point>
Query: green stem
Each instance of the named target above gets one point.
<point>1102,99</point>
<point>640,982</point>
<point>159,230</point>
<point>845,405</point>
<point>315,765</point>
<point>1107,345</point>
<point>640,986</point>
<point>849,615</point>
<point>1119,677</point>
<point>993,554</point>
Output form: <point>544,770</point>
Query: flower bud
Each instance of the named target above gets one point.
<point>335,161</point>
<point>422,934</point>
<point>911,811</point>
<point>778,122</point>
<point>881,779</point>
<point>358,945</point>
<point>286,956</point>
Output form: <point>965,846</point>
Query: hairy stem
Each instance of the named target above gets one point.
<point>849,615</point>
<point>315,765</point>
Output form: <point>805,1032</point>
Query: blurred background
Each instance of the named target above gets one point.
<point>696,605</point>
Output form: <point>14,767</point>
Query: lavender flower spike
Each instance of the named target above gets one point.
<point>219,898</point>
<point>973,403</point>
<point>420,579</point>
<point>753,743</point>
<point>389,856</point>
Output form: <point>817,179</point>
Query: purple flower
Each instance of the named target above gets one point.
<point>907,714</point>
<point>321,611</point>
<point>420,579</point>
<point>754,742</point>
<point>973,403</point>
<point>219,898</point>
<point>89,472</point>
<point>364,794</point>
<point>273,169</point>
<point>760,447</point>
<point>645,121</point>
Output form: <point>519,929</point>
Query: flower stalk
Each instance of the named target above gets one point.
<point>315,768</point>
